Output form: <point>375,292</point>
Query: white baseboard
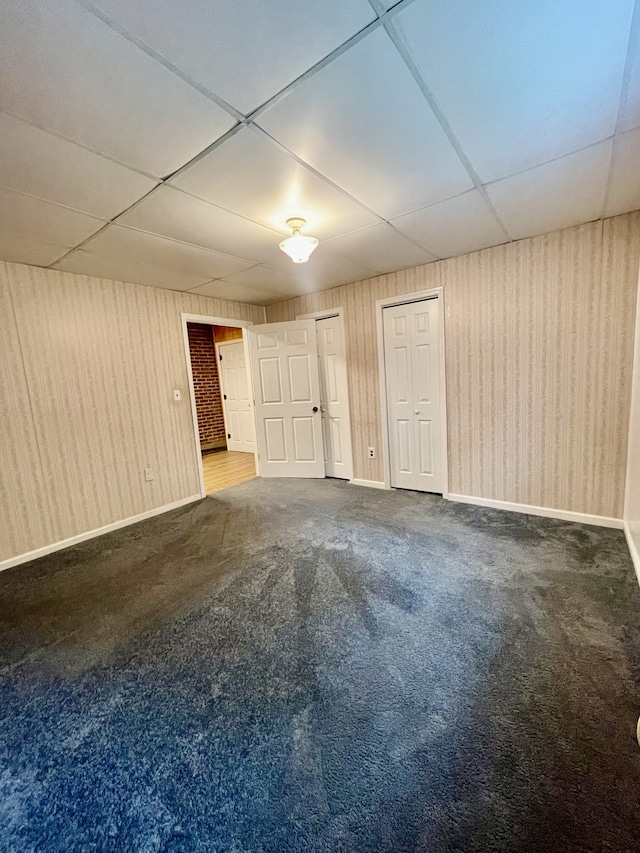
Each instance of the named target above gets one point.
<point>546,512</point>
<point>371,484</point>
<point>91,534</point>
<point>635,556</point>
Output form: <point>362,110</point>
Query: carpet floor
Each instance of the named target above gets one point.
<point>314,666</point>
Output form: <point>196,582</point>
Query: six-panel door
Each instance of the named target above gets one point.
<point>284,367</point>
<point>412,354</point>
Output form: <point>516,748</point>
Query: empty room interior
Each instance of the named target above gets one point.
<point>320,426</point>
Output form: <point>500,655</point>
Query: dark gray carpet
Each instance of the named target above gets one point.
<point>313,666</point>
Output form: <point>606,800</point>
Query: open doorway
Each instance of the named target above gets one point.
<point>221,402</point>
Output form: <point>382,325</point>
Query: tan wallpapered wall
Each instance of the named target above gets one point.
<point>87,371</point>
<point>632,496</point>
<point>539,340</point>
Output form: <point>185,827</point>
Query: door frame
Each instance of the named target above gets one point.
<point>381,304</point>
<point>324,315</point>
<point>206,320</point>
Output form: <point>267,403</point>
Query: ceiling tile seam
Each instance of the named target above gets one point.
<point>103,219</point>
<point>79,245</point>
<point>337,52</point>
<point>81,145</point>
<point>152,266</point>
<point>242,120</point>
<point>256,128</point>
<point>185,243</point>
<point>229,134</point>
<point>430,98</point>
<point>213,96</point>
<point>613,162</point>
<point>415,243</point>
<point>632,47</point>
<point>159,58</point>
<point>226,210</point>
<point>203,279</point>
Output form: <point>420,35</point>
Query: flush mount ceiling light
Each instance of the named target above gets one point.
<point>298,247</point>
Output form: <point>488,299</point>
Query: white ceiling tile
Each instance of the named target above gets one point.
<point>238,293</point>
<point>250,175</point>
<point>120,269</point>
<point>521,83</point>
<point>624,182</point>
<point>174,214</point>
<point>454,227</point>
<point>263,278</point>
<point>63,69</point>
<point>324,269</point>
<point>556,195</point>
<point>363,122</point>
<point>140,247</point>
<point>245,52</point>
<point>381,248</point>
<point>41,164</point>
<point>35,252</point>
<point>33,219</point>
<point>630,107</point>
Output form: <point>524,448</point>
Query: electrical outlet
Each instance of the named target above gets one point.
<point>148,474</point>
<point>372,453</point>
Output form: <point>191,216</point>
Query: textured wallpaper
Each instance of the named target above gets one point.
<point>539,340</point>
<point>632,496</point>
<point>87,371</point>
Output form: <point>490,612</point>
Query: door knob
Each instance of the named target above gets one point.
<point>315,409</point>
<point>416,411</point>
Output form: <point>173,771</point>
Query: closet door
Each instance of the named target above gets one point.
<point>412,371</point>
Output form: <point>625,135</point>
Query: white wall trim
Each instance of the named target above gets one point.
<point>371,484</point>
<point>381,304</point>
<point>207,321</point>
<point>91,534</point>
<point>635,556</point>
<point>546,512</point>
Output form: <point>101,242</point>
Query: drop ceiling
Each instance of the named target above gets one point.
<point>167,143</point>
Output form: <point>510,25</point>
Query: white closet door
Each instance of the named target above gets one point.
<point>286,386</point>
<point>334,394</point>
<point>412,355</point>
<point>236,401</point>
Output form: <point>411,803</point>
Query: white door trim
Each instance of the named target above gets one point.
<point>381,304</point>
<point>207,321</point>
<point>324,315</point>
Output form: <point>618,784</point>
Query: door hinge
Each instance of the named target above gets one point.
<point>220,356</point>
<point>228,435</point>
<point>224,396</point>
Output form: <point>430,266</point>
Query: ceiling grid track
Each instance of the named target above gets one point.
<point>405,53</point>
<point>632,49</point>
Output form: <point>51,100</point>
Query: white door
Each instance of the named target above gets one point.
<point>412,367</point>
<point>236,401</point>
<point>286,387</point>
<point>334,406</point>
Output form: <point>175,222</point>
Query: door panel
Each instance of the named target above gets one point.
<point>236,403</point>
<point>284,365</point>
<point>334,394</point>
<point>412,376</point>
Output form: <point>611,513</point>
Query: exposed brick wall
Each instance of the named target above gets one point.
<point>206,384</point>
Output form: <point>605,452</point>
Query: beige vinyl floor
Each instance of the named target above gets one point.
<point>226,468</point>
